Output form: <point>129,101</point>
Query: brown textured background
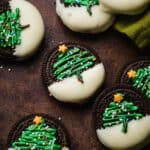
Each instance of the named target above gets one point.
<point>22,91</point>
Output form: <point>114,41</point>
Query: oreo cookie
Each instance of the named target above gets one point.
<point>18,28</point>
<point>137,74</point>
<point>38,131</point>
<point>72,72</point>
<point>120,116</point>
<point>94,19</point>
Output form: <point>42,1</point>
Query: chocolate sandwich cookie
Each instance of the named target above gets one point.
<point>20,36</point>
<point>137,74</point>
<point>126,7</point>
<point>122,119</point>
<point>84,16</point>
<point>72,73</point>
<point>38,132</point>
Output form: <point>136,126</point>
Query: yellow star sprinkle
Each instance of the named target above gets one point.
<point>131,74</point>
<point>38,120</point>
<point>62,48</point>
<point>118,97</point>
<point>94,59</point>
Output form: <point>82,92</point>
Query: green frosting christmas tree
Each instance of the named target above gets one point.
<point>10,29</point>
<point>87,3</point>
<point>120,111</point>
<point>141,79</point>
<point>72,61</point>
<point>37,136</point>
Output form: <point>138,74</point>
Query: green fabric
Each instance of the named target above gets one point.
<point>136,27</point>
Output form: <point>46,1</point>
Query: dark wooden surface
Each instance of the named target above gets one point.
<point>22,91</point>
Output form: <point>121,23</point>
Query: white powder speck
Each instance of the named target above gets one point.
<point>1,67</point>
<point>9,69</point>
<point>59,118</point>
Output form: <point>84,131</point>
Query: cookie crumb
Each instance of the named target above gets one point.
<point>9,69</point>
<point>59,118</point>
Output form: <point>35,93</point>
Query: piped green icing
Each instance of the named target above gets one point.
<point>142,80</point>
<point>120,113</point>
<point>87,3</point>
<point>10,28</point>
<point>37,137</point>
<point>73,62</point>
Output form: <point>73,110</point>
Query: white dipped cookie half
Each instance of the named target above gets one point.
<point>129,7</point>
<point>122,121</point>
<point>73,73</point>
<point>84,17</point>
<point>136,137</point>
<point>26,29</point>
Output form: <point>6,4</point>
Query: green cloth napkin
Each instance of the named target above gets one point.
<point>136,27</point>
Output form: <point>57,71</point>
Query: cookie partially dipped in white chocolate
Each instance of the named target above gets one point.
<point>73,73</point>
<point>84,16</point>
<point>26,29</point>
<point>129,7</point>
<point>124,126</point>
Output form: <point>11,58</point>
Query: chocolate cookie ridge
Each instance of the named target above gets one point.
<point>124,97</point>
<point>69,67</point>
<point>50,125</point>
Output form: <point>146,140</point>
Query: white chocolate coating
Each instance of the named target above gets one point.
<point>130,7</point>
<point>138,134</point>
<point>72,91</point>
<point>31,37</point>
<point>65,148</point>
<point>79,20</point>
